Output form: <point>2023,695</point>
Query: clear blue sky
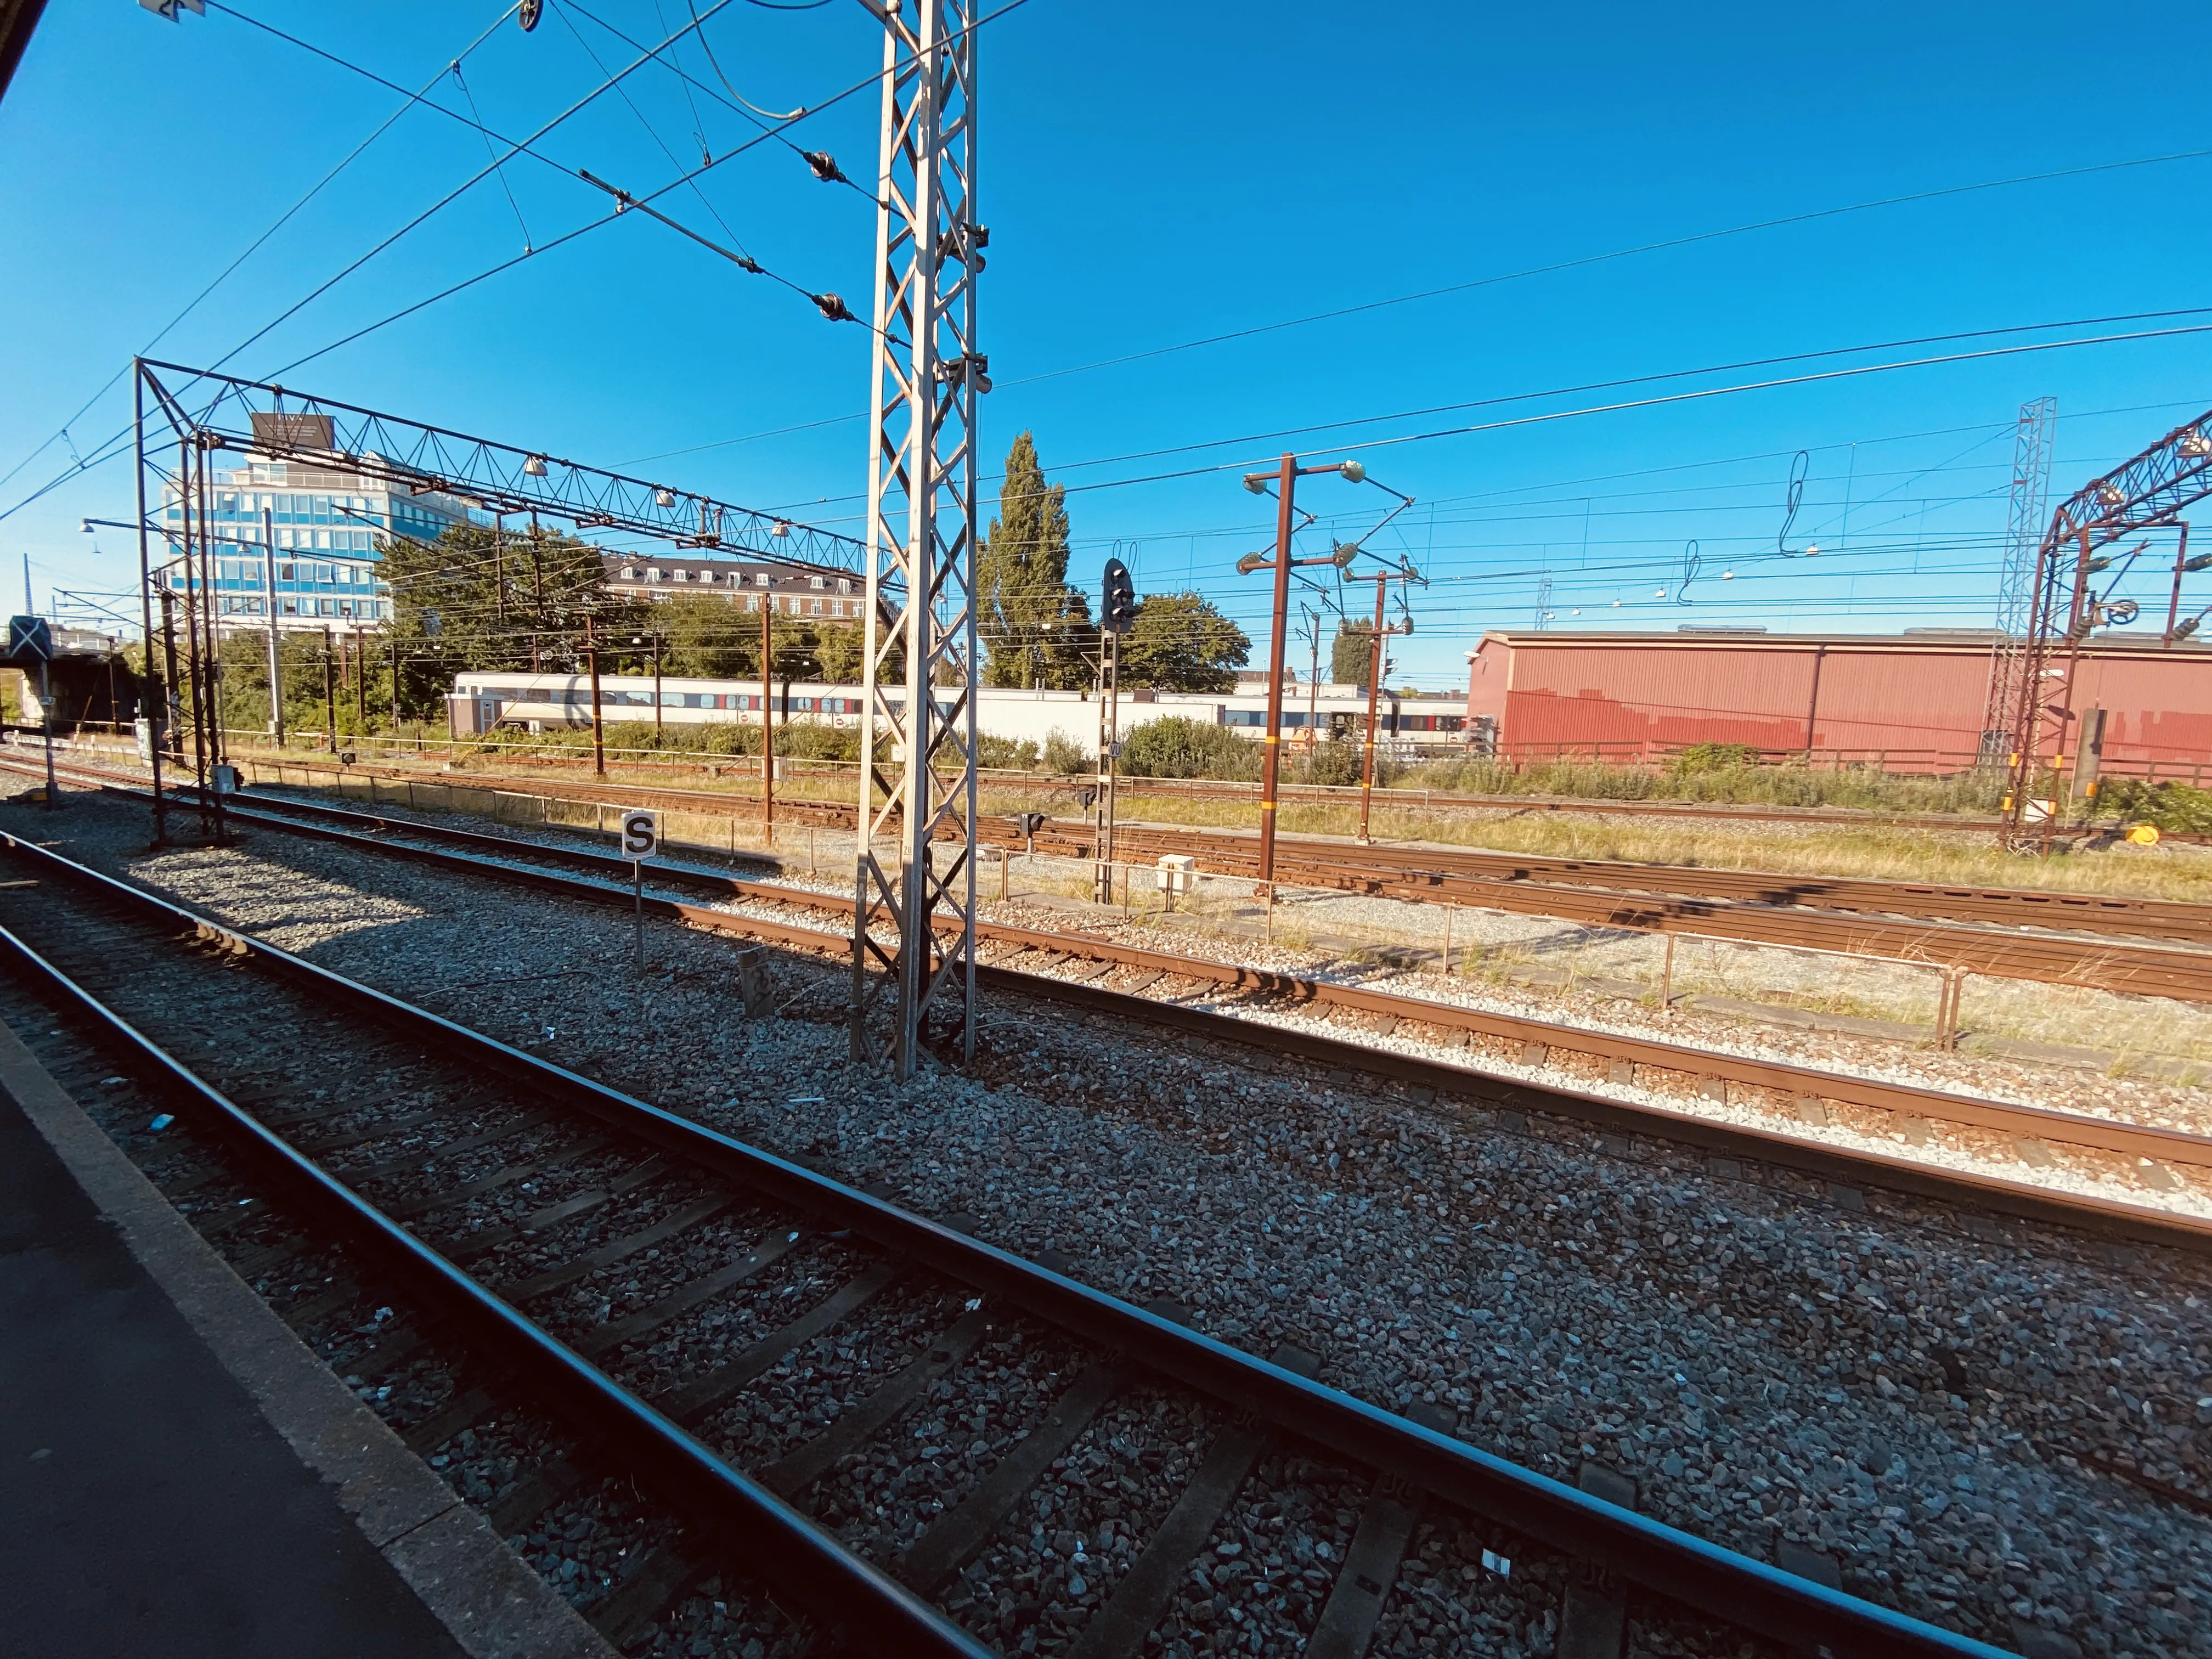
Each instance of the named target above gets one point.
<point>1154,174</point>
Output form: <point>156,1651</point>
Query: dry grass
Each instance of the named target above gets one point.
<point>1871,851</point>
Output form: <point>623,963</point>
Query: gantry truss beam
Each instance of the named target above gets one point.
<point>914,930</point>
<point>279,423</point>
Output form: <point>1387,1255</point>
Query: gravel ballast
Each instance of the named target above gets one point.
<point>1943,1407</point>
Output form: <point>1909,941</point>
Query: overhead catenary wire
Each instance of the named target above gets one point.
<point>409,100</point>
<point>1625,404</point>
<point>1585,261</point>
<point>1281,433</point>
<point>1553,268</point>
<point>109,449</point>
<point>450,197</point>
<point>114,446</point>
<point>653,133</point>
<point>634,201</point>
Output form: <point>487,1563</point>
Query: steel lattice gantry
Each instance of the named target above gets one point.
<point>2152,489</point>
<point>217,412</point>
<point>914,930</point>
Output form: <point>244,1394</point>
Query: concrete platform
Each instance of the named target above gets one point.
<point>180,1476</point>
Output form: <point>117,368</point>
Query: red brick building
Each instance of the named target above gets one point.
<point>1913,702</point>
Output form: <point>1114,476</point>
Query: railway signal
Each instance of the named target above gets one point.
<point>1117,610</point>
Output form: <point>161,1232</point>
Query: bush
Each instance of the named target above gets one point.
<point>1063,754</point>
<point>1712,757</point>
<point>1005,754</point>
<point>1716,779</point>
<point>1174,746</point>
<point>2174,807</point>
<point>799,740</point>
<point>1336,762</point>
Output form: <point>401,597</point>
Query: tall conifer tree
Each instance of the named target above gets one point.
<point>1035,625</point>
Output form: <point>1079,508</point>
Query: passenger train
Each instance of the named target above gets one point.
<point>536,702</point>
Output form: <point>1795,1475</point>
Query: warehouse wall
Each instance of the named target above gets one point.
<point>1622,696</point>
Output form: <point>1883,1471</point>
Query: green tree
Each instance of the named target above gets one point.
<point>1180,642</point>
<point>475,599</point>
<point>1035,626</point>
<point>1352,654</point>
<point>707,639</point>
<point>841,650</point>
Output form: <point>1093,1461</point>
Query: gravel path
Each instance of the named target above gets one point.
<point>1937,1404</point>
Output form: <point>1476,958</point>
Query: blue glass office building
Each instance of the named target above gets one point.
<point>328,524</point>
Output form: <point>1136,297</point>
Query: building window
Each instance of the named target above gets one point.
<point>817,607</point>
<point>844,584</point>
<point>630,572</point>
<point>752,602</point>
<point>764,578</point>
<point>817,582</point>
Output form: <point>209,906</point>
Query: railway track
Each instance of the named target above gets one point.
<point>481,1195</point>
<point>2027,934</point>
<point>1679,1086</point>
<point>1474,876</point>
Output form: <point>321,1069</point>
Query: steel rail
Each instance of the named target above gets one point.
<point>846,1593</point>
<point>2125,968</point>
<point>1344,864</point>
<point>1876,919</point>
<point>1677,1566</point>
<point>2051,908</point>
<point>1779,1076</point>
<point>1428,799</point>
<point>1842,1164</point>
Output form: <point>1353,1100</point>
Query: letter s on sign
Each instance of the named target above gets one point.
<point>641,834</point>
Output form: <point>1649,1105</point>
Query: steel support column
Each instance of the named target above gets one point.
<point>914,926</point>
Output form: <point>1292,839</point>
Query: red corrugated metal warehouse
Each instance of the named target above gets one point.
<point>1913,702</point>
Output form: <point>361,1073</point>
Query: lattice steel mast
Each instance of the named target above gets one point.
<point>2024,526</point>
<point>914,930</point>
